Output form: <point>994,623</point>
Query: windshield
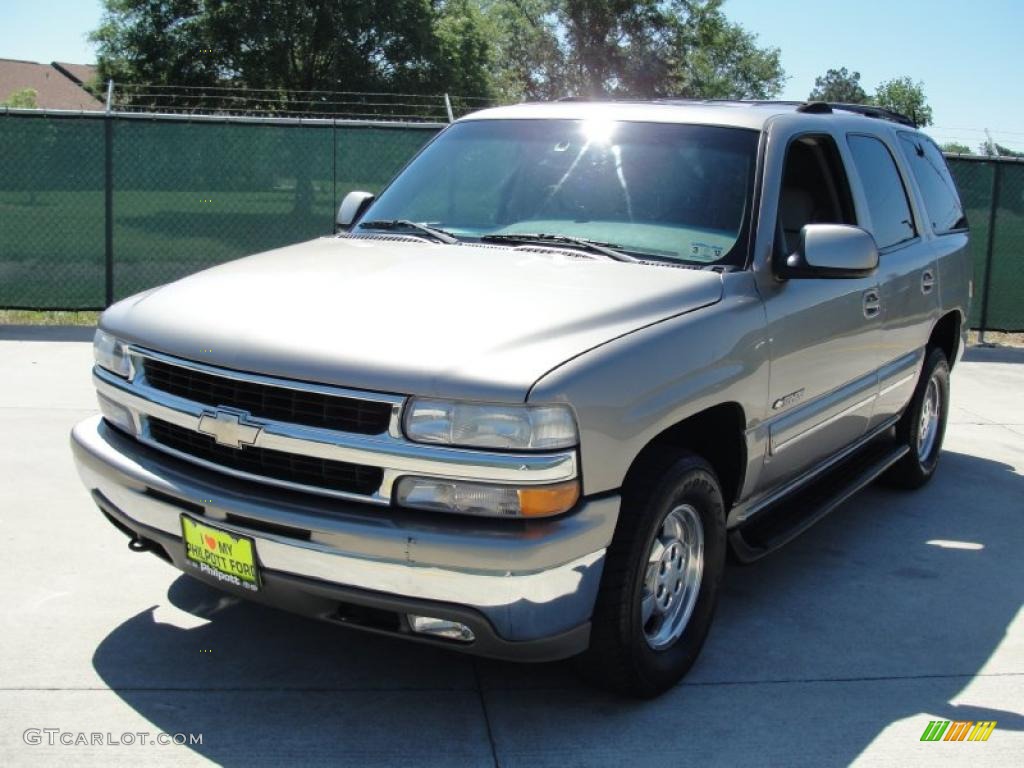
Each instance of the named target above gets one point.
<point>668,191</point>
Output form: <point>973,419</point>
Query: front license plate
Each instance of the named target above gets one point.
<point>221,555</point>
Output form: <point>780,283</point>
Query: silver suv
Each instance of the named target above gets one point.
<point>526,399</point>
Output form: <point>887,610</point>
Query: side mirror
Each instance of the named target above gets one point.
<point>832,250</point>
<point>352,207</point>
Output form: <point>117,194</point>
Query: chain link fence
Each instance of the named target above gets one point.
<point>184,194</point>
<point>187,192</point>
<point>992,190</point>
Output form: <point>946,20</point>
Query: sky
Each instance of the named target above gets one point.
<point>969,55</point>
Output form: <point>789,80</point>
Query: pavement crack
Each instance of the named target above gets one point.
<point>487,717</point>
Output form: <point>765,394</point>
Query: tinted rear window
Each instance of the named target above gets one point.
<point>942,203</point>
<point>891,220</point>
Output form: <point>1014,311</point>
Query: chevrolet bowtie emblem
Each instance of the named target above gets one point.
<point>229,428</point>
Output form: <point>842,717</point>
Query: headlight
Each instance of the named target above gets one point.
<point>478,425</point>
<point>110,353</point>
<point>487,500</point>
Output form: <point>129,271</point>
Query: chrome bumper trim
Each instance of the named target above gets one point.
<point>394,454</point>
<point>531,580</point>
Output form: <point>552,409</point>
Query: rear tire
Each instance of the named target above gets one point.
<point>923,425</point>
<point>661,579</point>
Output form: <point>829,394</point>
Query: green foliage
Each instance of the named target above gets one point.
<point>507,48</point>
<point>159,42</point>
<point>901,94</point>
<point>839,85</point>
<point>466,50</point>
<point>21,99</point>
<point>717,59</point>
<point>906,97</point>
<point>417,46</point>
<point>956,148</point>
<point>651,48</point>
<point>995,149</point>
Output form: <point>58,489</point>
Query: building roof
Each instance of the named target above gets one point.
<point>83,74</point>
<point>54,89</point>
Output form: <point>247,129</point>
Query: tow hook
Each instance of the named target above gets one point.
<point>140,545</point>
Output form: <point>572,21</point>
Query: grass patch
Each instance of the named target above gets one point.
<point>47,317</point>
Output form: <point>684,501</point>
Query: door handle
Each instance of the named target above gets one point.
<point>927,281</point>
<point>872,303</point>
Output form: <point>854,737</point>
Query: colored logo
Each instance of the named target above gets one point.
<point>958,730</point>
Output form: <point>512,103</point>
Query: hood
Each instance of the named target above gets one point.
<point>404,316</point>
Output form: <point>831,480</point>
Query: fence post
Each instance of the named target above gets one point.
<point>334,174</point>
<point>997,174</point>
<point>448,108</point>
<point>108,197</point>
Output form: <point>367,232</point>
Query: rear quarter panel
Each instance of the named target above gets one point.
<point>954,267</point>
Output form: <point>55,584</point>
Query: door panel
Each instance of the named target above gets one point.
<point>907,269</point>
<point>823,332</point>
<point>908,311</point>
<point>823,380</point>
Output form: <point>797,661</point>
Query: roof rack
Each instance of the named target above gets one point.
<point>809,107</point>
<point>868,110</point>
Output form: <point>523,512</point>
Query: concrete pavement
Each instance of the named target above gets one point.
<point>896,610</point>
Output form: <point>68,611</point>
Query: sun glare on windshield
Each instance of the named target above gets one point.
<point>598,130</point>
<point>659,190</point>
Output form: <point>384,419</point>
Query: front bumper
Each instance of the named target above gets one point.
<point>526,588</point>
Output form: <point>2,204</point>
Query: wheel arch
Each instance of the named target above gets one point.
<point>716,434</point>
<point>946,335</point>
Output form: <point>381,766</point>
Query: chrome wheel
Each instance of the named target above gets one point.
<point>675,565</point>
<point>931,413</point>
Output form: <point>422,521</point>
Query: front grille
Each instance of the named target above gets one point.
<point>279,465</point>
<point>346,414</point>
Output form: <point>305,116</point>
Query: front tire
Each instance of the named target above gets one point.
<point>661,579</point>
<point>923,425</point>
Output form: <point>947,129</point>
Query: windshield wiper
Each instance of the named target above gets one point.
<point>594,246</point>
<point>438,234</point>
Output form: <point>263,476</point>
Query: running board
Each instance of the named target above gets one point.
<point>789,517</point>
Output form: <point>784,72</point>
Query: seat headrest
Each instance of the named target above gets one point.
<point>796,208</point>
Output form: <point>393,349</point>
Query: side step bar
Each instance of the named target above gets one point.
<point>789,517</point>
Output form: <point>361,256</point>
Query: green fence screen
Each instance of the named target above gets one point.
<point>993,194</point>
<point>184,195</point>
<point>51,213</point>
<point>187,194</point>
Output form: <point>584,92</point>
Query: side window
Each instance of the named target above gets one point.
<point>814,190</point>
<point>937,188</point>
<point>891,220</point>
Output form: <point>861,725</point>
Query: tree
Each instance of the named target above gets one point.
<point>515,48</point>
<point>839,85</point>
<point>628,48</point>
<point>22,99</point>
<point>956,148</point>
<point>903,95</point>
<point>995,149</point>
<point>287,46</point>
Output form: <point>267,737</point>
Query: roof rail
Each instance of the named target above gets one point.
<point>810,107</point>
<point>868,110</point>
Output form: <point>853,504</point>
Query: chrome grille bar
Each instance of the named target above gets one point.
<point>389,451</point>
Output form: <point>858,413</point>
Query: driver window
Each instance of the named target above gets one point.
<point>814,190</point>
